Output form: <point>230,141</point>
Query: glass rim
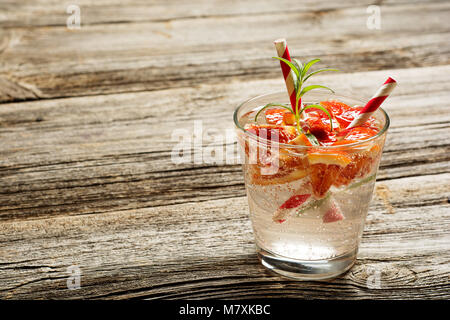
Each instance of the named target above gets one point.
<point>290,146</point>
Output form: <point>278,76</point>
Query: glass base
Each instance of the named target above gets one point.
<point>306,269</point>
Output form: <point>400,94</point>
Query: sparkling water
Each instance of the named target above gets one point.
<point>303,234</point>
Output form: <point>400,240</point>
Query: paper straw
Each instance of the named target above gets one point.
<point>374,103</point>
<point>288,74</point>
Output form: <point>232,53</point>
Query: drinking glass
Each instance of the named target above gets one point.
<point>320,238</point>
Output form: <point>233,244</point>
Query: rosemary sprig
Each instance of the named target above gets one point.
<point>300,76</point>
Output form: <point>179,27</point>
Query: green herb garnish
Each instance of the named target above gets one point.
<point>300,76</point>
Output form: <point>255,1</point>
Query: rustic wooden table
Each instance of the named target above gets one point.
<point>87,185</point>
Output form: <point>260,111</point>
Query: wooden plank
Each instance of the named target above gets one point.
<point>29,13</point>
<point>177,251</point>
<point>107,153</point>
<point>87,180</point>
<point>97,59</point>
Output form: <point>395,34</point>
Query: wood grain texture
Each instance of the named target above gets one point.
<point>86,124</point>
<point>33,13</point>
<point>104,153</point>
<point>52,61</point>
<point>95,191</point>
<point>204,250</point>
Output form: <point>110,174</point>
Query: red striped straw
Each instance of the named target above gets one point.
<point>288,74</point>
<point>373,104</point>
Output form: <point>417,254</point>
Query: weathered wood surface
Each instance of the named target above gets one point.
<point>227,41</point>
<point>86,179</point>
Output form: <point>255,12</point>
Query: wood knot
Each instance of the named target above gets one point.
<point>382,275</point>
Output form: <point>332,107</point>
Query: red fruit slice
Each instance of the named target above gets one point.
<point>331,139</point>
<point>333,214</point>
<point>262,153</point>
<point>301,140</point>
<point>343,113</point>
<point>346,175</point>
<point>336,107</point>
<point>362,161</point>
<point>279,117</point>
<point>359,133</point>
<point>289,118</point>
<point>319,127</point>
<point>353,135</point>
<point>275,116</point>
<point>322,177</point>
<point>267,131</point>
<point>293,202</point>
<point>362,164</point>
<point>317,122</point>
<point>325,167</point>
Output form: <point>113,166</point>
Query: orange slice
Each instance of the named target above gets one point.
<point>290,168</point>
<point>301,140</point>
<point>289,118</point>
<point>257,178</point>
<point>329,158</point>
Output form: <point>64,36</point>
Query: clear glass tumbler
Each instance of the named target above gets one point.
<point>320,238</point>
